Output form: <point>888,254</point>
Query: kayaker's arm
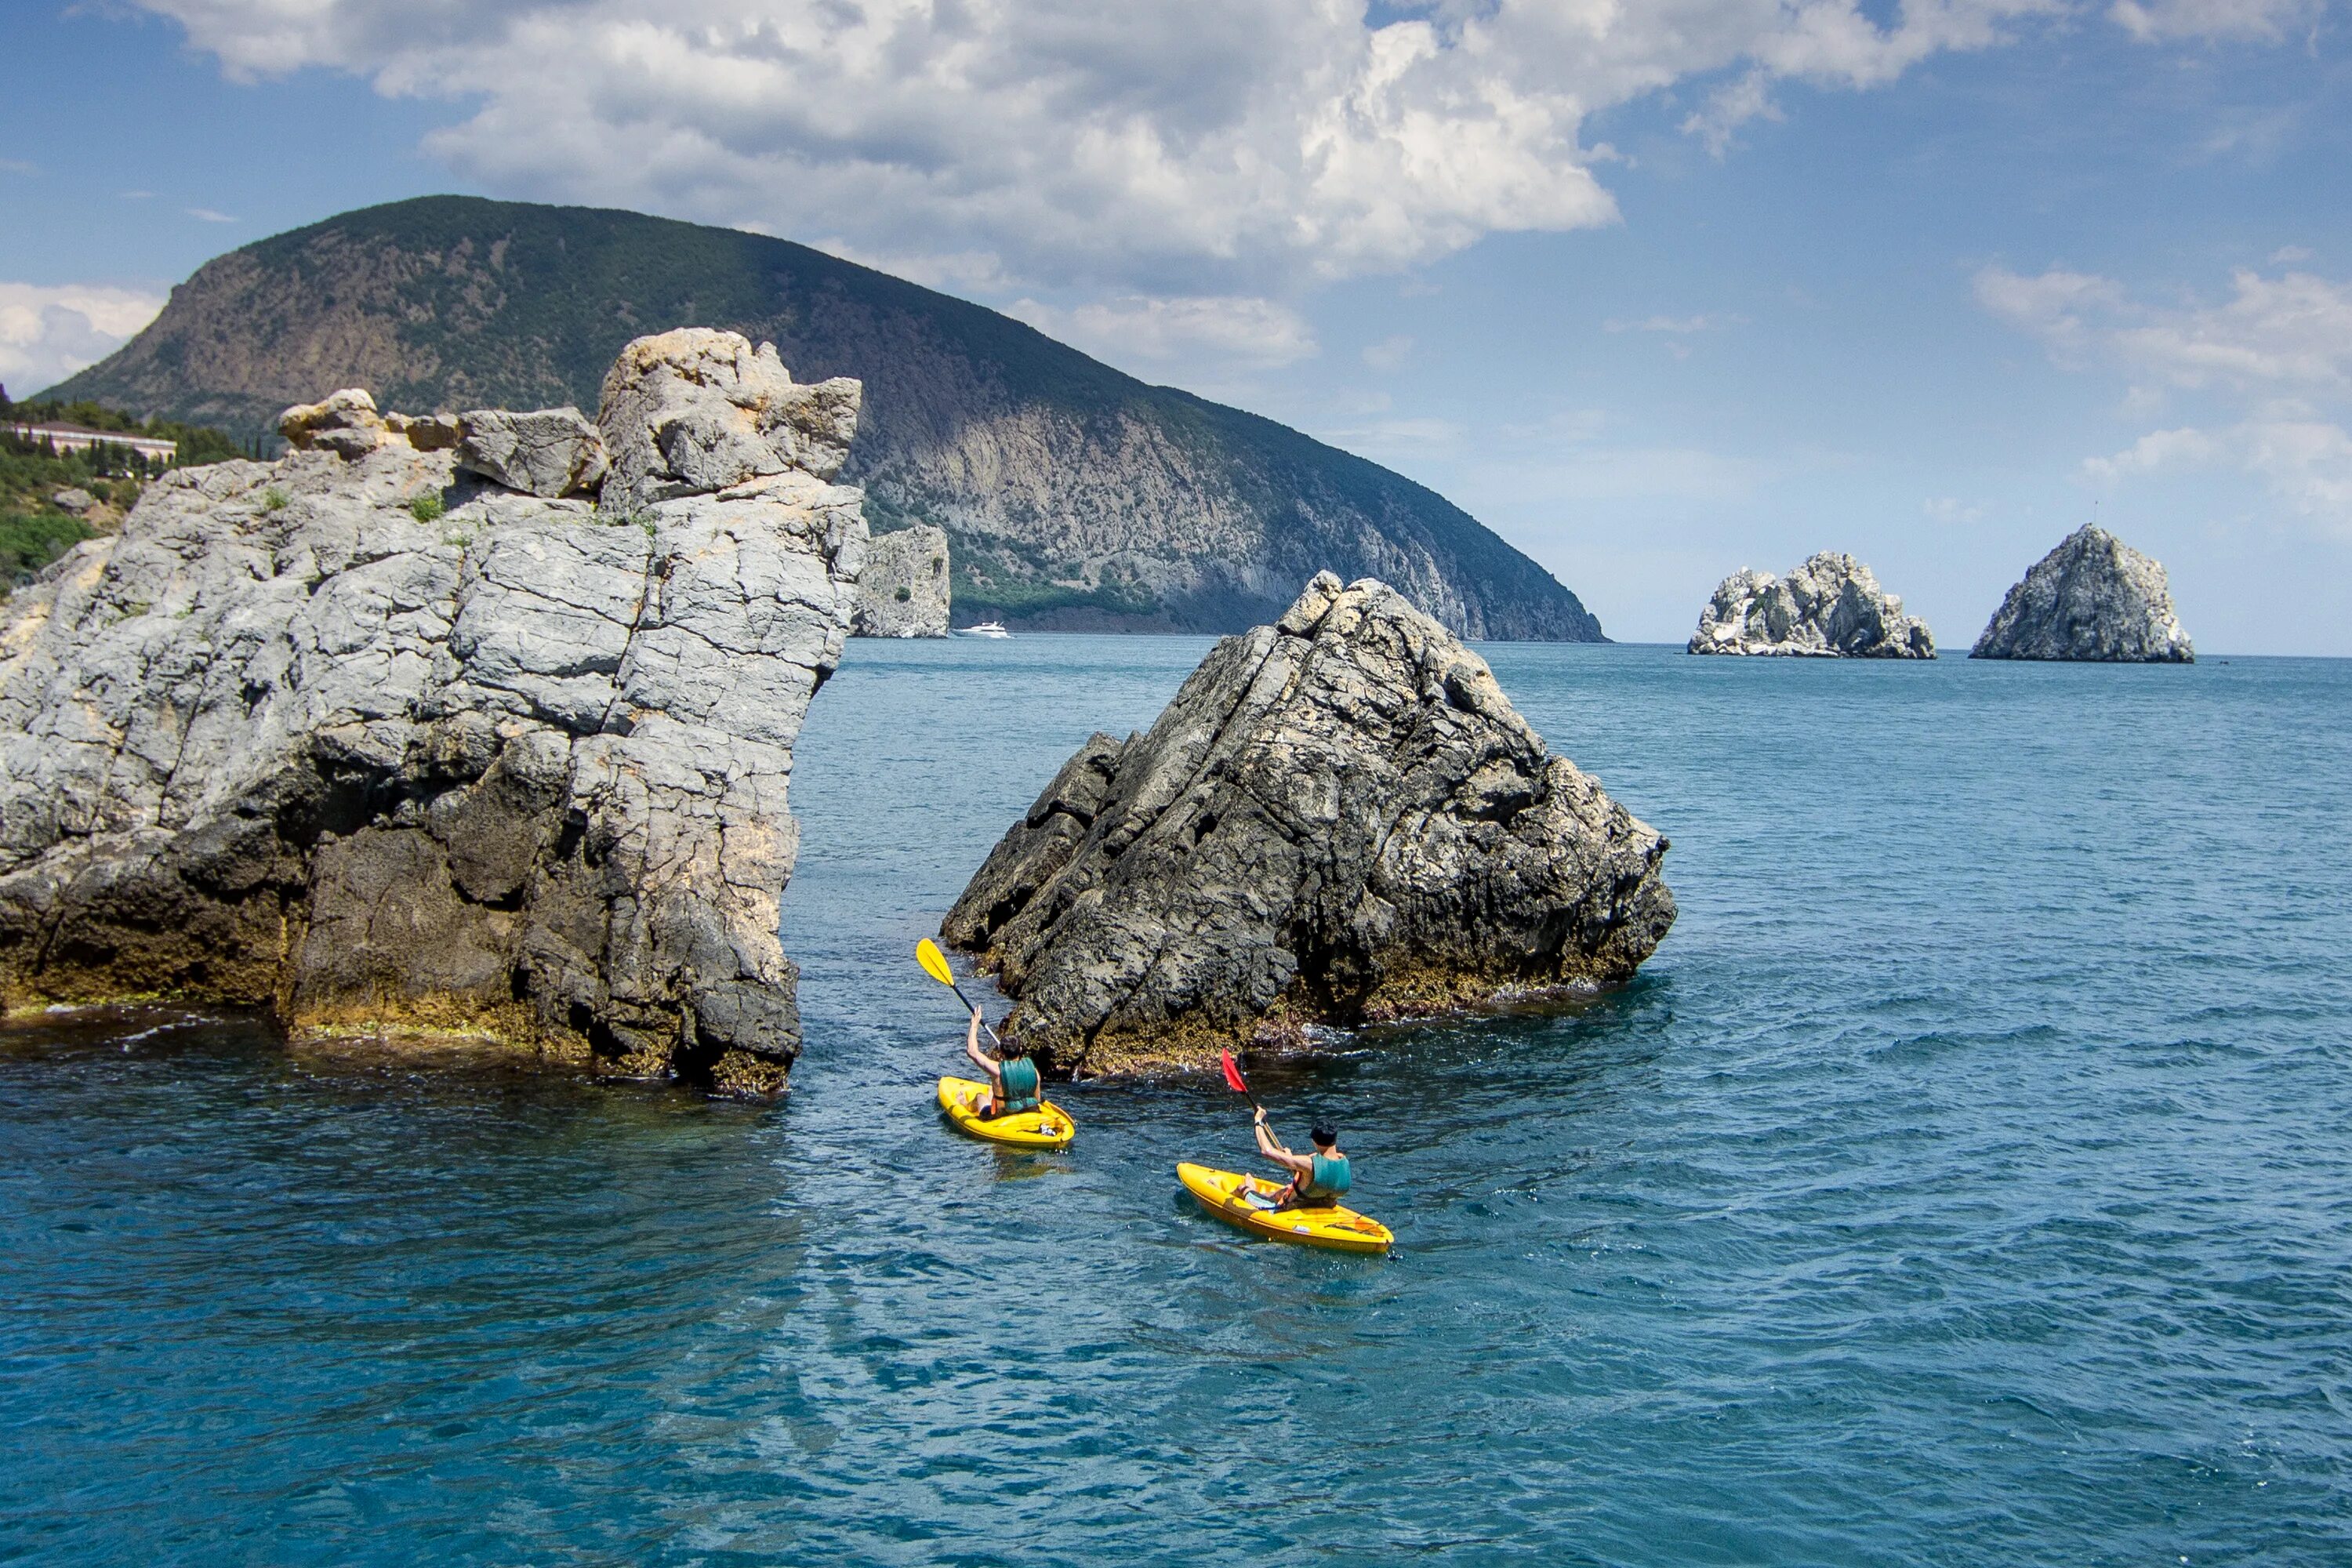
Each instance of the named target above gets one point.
<point>1276,1151</point>
<point>986,1062</point>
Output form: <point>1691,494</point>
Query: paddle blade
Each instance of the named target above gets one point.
<point>1232,1072</point>
<point>934,962</point>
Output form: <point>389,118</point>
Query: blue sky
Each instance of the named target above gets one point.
<point>1656,291</point>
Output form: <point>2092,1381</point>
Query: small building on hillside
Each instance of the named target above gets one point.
<point>65,438</point>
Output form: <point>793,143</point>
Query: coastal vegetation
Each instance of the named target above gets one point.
<point>34,529</point>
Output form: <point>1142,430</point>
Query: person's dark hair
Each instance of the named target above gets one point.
<point>1008,1050</point>
<point>1323,1136</point>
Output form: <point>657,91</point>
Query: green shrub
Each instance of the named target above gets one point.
<point>904,595</point>
<point>274,499</point>
<point>425,508</point>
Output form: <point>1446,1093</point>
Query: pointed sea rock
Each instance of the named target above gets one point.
<point>2093,598</point>
<point>1339,819</point>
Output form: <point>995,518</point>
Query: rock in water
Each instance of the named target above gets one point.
<point>2093,598</point>
<point>903,592</point>
<point>361,738</point>
<point>1830,607</point>
<point>1339,819</point>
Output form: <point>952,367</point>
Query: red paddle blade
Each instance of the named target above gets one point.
<point>1232,1073</point>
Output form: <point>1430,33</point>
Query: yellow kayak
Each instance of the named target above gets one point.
<point>963,1099</point>
<point>1342,1230</point>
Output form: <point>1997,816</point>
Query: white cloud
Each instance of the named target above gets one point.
<point>2306,462</point>
<point>1679,325</point>
<point>18,166</point>
<point>2292,330</point>
<point>1388,352</point>
<point>1952,510</point>
<point>1142,330</point>
<point>1731,106</point>
<point>2163,19</point>
<point>2272,363</point>
<point>47,333</point>
<point>206,215</point>
<point>1224,147</point>
<point>2289,254</point>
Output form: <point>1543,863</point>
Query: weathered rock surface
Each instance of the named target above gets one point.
<point>552,452</point>
<point>345,423</point>
<point>696,410</point>
<point>2094,598</point>
<point>521,771</point>
<point>73,499</point>
<point>903,592</point>
<point>1829,607</point>
<point>1339,819</point>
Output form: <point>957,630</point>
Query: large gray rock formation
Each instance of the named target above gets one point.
<point>903,592</point>
<point>361,738</point>
<point>2093,598</point>
<point>1339,819</point>
<point>1829,607</point>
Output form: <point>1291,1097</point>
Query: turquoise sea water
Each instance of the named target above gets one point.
<point>1968,1180</point>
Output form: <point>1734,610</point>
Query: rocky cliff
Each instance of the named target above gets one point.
<point>1829,607</point>
<point>1339,819</point>
<point>1076,495</point>
<point>2095,598</point>
<point>903,590</point>
<point>382,742</point>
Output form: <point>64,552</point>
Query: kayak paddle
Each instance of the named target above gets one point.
<point>935,965</point>
<point>1234,1079</point>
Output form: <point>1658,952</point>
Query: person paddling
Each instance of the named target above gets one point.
<point>1316,1181</point>
<point>1014,1085</point>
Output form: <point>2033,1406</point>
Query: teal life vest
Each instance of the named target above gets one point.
<point>1328,1179</point>
<point>1023,1089</point>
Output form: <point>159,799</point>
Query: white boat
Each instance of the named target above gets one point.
<point>987,629</point>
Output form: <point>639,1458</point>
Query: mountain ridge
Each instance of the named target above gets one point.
<point>1076,495</point>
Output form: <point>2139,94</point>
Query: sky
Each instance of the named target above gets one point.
<point>1656,289</point>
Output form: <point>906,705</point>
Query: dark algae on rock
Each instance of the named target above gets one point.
<point>2094,598</point>
<point>390,747</point>
<point>1339,819</point>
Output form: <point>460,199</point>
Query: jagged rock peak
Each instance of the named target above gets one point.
<point>903,592</point>
<point>365,740</point>
<point>1339,819</point>
<point>1829,607</point>
<point>699,410</point>
<point>2093,598</point>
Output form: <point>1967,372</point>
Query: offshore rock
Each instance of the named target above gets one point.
<point>903,592</point>
<point>519,771</point>
<point>2093,598</point>
<point>1339,819</point>
<point>553,452</point>
<point>1829,607</point>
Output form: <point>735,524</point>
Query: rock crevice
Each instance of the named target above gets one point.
<point>373,739</point>
<point>1339,819</point>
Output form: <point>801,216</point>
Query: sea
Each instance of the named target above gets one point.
<point>1968,1179</point>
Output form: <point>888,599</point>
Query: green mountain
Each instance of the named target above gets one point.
<point>1076,496</point>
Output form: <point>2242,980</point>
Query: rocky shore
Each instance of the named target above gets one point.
<point>2093,598</point>
<point>477,724</point>
<point>1339,819</point>
<point>1829,607</point>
